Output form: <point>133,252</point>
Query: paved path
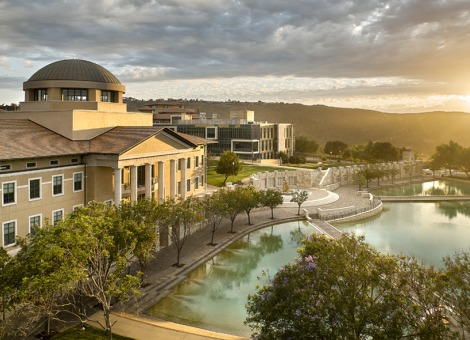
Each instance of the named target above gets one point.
<point>160,275</point>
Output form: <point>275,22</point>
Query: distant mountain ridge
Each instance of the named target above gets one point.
<point>420,131</point>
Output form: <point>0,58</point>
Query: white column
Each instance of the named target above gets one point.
<point>172,178</point>
<point>161,183</point>
<point>117,187</point>
<point>148,180</point>
<point>183,178</point>
<point>133,183</point>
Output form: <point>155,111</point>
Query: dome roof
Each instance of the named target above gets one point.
<point>75,69</point>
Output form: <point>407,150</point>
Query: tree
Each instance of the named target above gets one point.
<point>214,211</point>
<point>343,290</point>
<point>180,217</point>
<point>283,156</point>
<point>7,288</point>
<point>103,244</point>
<point>464,161</point>
<point>142,216</point>
<point>306,145</point>
<point>335,147</point>
<point>49,274</point>
<point>229,165</point>
<point>456,289</point>
<point>297,158</point>
<point>299,197</point>
<point>249,199</point>
<point>232,204</point>
<point>271,198</point>
<point>448,155</point>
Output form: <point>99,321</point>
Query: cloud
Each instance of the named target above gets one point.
<point>420,45</point>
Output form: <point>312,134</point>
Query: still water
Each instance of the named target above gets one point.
<point>432,188</point>
<point>214,295</point>
<point>429,231</point>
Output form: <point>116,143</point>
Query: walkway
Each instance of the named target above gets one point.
<point>161,276</point>
<point>327,229</point>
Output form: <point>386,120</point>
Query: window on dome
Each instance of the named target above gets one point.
<point>75,95</point>
<point>40,95</point>
<point>108,96</point>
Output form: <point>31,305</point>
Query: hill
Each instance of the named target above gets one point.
<point>420,131</point>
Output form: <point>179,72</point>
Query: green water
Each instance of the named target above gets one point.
<point>433,188</point>
<point>429,231</point>
<point>214,295</point>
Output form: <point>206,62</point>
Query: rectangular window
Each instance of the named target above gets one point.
<point>202,160</point>
<point>78,181</point>
<point>9,233</point>
<point>202,180</point>
<point>179,164</point>
<point>108,96</point>
<point>54,162</point>
<point>5,167</point>
<point>75,95</point>
<point>75,207</point>
<point>40,95</point>
<point>57,185</point>
<point>34,189</point>
<point>178,188</point>
<point>31,164</point>
<point>74,160</point>
<point>196,183</point>
<point>34,224</point>
<point>196,162</point>
<point>188,185</point>
<point>57,215</point>
<point>188,163</point>
<point>9,193</point>
<point>211,132</point>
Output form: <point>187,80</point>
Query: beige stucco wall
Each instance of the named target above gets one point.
<point>81,124</point>
<point>24,208</point>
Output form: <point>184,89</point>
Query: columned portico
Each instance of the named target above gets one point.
<point>133,183</point>
<point>183,177</point>
<point>117,186</point>
<point>148,180</point>
<point>172,178</point>
<point>161,182</point>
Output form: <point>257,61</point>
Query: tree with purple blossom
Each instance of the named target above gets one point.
<point>347,290</point>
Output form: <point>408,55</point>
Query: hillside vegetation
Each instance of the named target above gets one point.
<point>420,131</point>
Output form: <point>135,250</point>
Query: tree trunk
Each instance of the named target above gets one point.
<point>107,320</point>
<point>272,213</point>
<point>212,237</point>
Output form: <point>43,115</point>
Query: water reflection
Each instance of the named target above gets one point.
<point>432,188</point>
<point>214,295</point>
<point>452,209</point>
<point>429,231</point>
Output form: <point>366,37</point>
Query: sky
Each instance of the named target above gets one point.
<point>388,55</point>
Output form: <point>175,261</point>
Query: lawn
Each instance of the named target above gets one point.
<point>217,180</point>
<point>90,333</point>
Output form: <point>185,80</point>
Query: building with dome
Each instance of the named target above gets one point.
<point>72,141</point>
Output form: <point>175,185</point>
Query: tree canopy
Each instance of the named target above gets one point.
<point>347,290</point>
<point>229,165</point>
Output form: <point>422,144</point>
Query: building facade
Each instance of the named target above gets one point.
<point>73,141</point>
<point>249,139</point>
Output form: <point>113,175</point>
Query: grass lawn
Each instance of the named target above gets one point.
<point>90,333</point>
<point>217,180</point>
